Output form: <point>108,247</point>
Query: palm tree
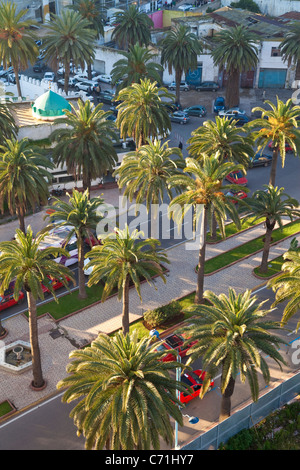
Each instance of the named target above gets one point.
<point>24,177</point>
<point>83,215</point>
<point>137,65</point>
<point>287,286</point>
<point>142,113</point>
<point>204,192</point>
<point>145,173</point>
<point>90,11</point>
<point>235,50</point>
<point>290,47</point>
<point>126,393</point>
<point>180,48</point>
<point>233,334</point>
<point>85,144</point>
<point>133,26</point>
<point>272,204</point>
<point>8,127</point>
<point>23,262</point>
<point>17,44</point>
<point>123,258</point>
<point>69,38</point>
<point>223,137</point>
<point>279,126</point>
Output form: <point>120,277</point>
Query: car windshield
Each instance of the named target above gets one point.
<point>174,341</point>
<point>196,377</point>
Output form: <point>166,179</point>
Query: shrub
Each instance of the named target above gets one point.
<point>162,314</point>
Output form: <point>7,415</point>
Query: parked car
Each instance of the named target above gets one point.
<point>239,194</point>
<point>56,284</point>
<point>261,159</point>
<point>172,107</point>
<point>179,116</point>
<point>106,97</point>
<point>198,110</point>
<point>235,114</point>
<point>103,78</point>
<point>183,86</point>
<point>219,104</point>
<point>186,7</point>
<point>231,112</point>
<point>237,177</point>
<point>39,66</point>
<point>288,148</point>
<point>193,379</point>
<point>7,71</point>
<point>72,82</point>
<point>173,345</point>
<point>49,77</point>
<point>208,86</point>
<point>87,85</point>
<point>7,299</point>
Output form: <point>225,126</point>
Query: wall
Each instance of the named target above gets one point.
<point>157,18</point>
<point>272,7</point>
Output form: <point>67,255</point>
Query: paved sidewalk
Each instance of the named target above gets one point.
<point>105,317</point>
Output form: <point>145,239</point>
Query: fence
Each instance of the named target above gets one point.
<point>248,416</point>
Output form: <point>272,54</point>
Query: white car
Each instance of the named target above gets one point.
<point>186,7</point>
<point>87,271</point>
<point>103,78</point>
<point>49,77</point>
<point>72,82</point>
<point>86,85</point>
<point>231,112</point>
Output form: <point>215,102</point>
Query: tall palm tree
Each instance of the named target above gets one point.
<point>17,44</point>
<point>145,173</point>
<point>85,144</point>
<point>142,113</point>
<point>24,262</point>
<point>180,48</point>
<point>287,286</point>
<point>272,204</point>
<point>224,137</point>
<point>133,26</point>
<point>24,177</point>
<point>90,11</point>
<point>204,190</point>
<point>290,47</point>
<point>82,214</point>
<point>235,50</point>
<point>126,393</point>
<point>123,258</point>
<point>278,125</point>
<point>137,65</point>
<point>8,127</point>
<point>69,38</point>
<point>233,334</point>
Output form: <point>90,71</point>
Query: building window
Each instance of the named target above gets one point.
<point>275,52</point>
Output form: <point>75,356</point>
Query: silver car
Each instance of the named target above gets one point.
<point>86,85</point>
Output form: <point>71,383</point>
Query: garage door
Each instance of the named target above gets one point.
<point>272,78</point>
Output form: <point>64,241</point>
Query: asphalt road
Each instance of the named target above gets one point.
<point>48,426</point>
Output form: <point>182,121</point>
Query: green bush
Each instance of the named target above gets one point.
<point>162,314</point>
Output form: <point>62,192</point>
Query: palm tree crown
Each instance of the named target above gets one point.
<point>17,45</point>
<point>85,143</point>
<point>233,333</point>
<point>235,50</point>
<point>290,47</point>
<point>126,394</point>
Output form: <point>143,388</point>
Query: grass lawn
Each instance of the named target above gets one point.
<point>231,229</point>
<point>274,267</point>
<point>5,408</point>
<point>220,261</point>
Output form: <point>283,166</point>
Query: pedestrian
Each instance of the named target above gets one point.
<point>264,96</point>
<point>180,145</point>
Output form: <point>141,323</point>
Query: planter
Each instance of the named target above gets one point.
<point>38,389</point>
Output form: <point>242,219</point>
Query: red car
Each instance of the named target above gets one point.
<point>194,380</point>
<point>288,148</point>
<point>239,194</point>
<point>237,177</point>
<point>173,345</point>
<point>56,284</point>
<point>7,300</point>
<point>92,240</point>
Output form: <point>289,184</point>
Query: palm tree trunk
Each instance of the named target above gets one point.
<point>81,280</point>
<point>274,166</point>
<point>226,400</point>
<point>67,75</point>
<point>201,263</point>
<point>21,218</point>
<point>38,380</point>
<point>16,72</point>
<point>2,330</point>
<point>268,237</point>
<point>233,88</point>
<point>125,310</point>
<point>178,75</point>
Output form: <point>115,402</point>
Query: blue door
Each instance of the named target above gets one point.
<point>272,78</point>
